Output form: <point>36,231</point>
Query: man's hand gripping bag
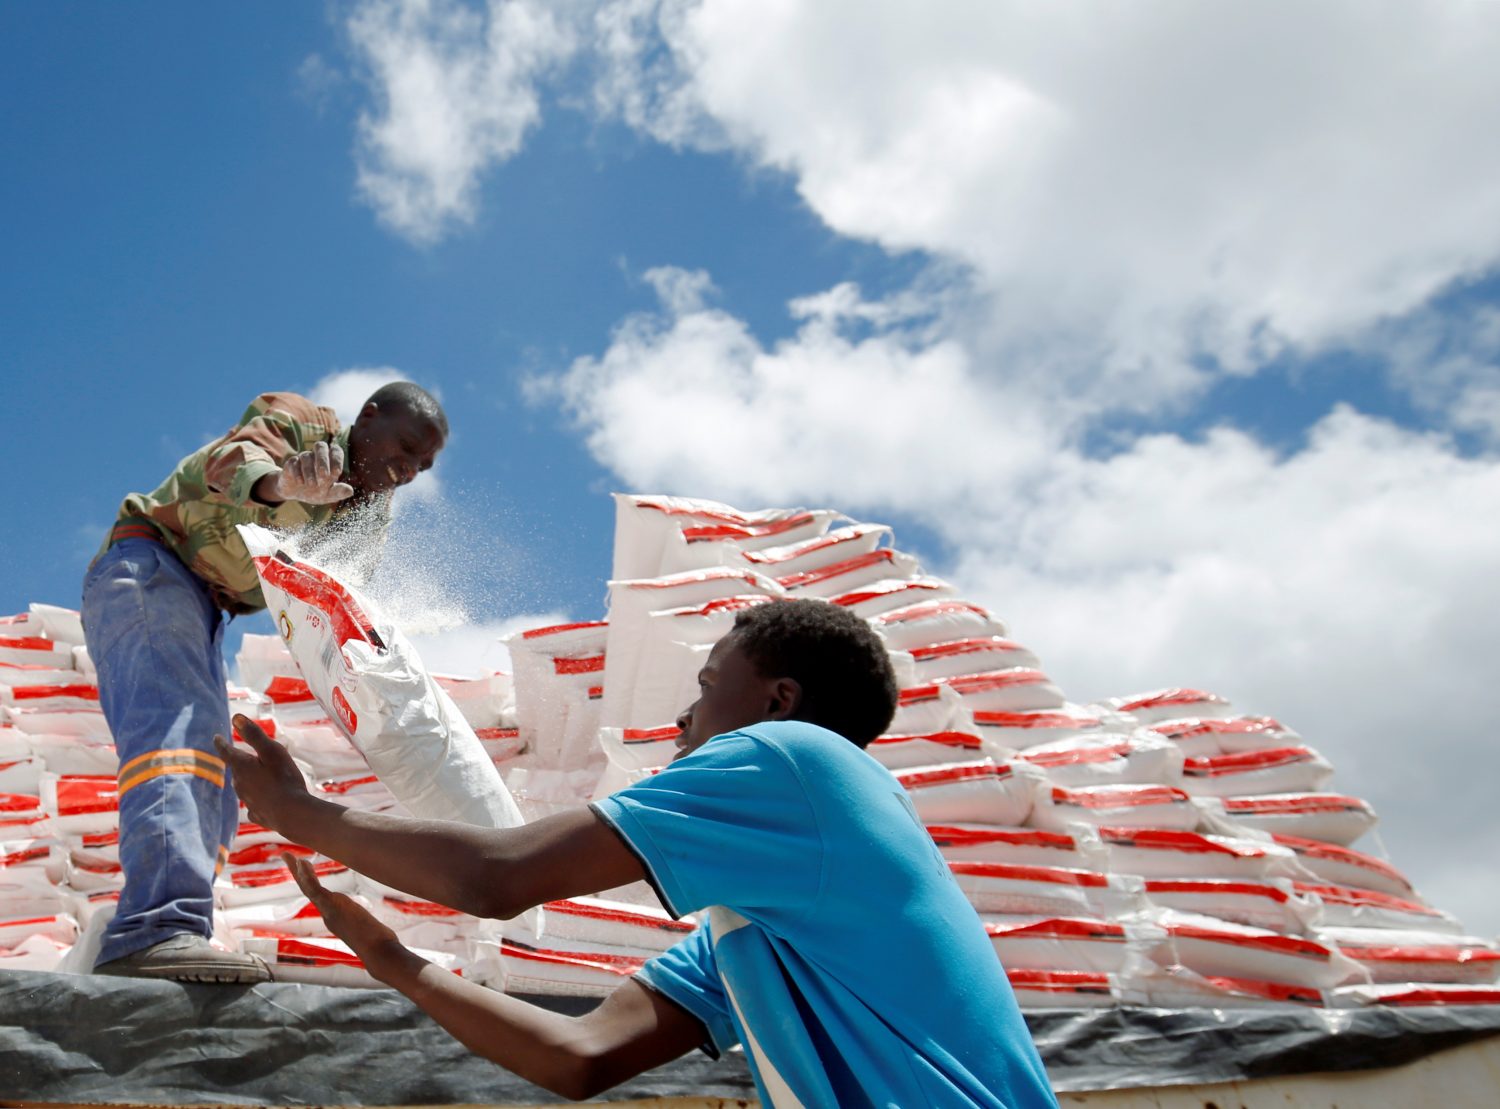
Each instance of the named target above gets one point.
<point>372,685</point>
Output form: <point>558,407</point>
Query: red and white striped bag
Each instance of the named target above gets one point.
<point>1171,853</point>
<point>1137,758</point>
<point>1346,907</point>
<point>975,655</point>
<point>900,752</point>
<point>1200,736</point>
<point>1411,994</point>
<point>1022,689</point>
<point>979,792</point>
<point>924,709</point>
<point>1170,704</point>
<point>1177,987</point>
<point>1220,948</point>
<point>1344,866</point>
<point>1063,989</point>
<point>1270,903</point>
<point>1020,731</point>
<point>988,843</point>
<point>1403,955</point>
<point>1269,770</point>
<point>657,535</point>
<point>1059,943</point>
<point>1134,806</point>
<point>838,545</point>
<point>923,621</point>
<point>1329,817</point>
<point>842,578</point>
<point>1013,890</point>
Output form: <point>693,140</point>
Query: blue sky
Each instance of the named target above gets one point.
<point>1188,373</point>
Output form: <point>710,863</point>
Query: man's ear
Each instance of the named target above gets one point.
<point>786,699</point>
<point>369,411</point>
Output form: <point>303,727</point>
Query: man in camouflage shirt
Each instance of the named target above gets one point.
<point>155,601</point>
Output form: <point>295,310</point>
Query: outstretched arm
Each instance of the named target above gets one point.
<point>634,1030</point>
<point>484,871</point>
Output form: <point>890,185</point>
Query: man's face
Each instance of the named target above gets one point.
<point>389,447</point>
<point>731,695</point>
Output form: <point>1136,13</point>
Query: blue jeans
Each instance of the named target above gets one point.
<point>155,637</point>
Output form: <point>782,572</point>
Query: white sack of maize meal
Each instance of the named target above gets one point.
<point>373,686</point>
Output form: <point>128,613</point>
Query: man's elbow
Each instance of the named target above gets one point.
<point>492,904</point>
<point>577,1076</point>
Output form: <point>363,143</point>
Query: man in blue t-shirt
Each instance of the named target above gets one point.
<point>838,949</point>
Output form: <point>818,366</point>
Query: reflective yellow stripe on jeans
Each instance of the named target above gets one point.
<point>184,760</point>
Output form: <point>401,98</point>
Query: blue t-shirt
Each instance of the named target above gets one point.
<point>838,948</point>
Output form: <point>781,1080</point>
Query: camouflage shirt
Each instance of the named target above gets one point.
<point>195,510</point>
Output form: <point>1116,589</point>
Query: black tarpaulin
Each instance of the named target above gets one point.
<point>80,1038</point>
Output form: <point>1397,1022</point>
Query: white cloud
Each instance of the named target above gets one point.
<point>455,93</point>
<point>1135,186</point>
<point>690,398</point>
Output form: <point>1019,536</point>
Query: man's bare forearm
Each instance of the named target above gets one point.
<point>541,1046</point>
<point>452,864</point>
<point>490,872</point>
<point>632,1031</point>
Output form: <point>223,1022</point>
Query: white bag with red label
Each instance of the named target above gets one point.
<point>364,673</point>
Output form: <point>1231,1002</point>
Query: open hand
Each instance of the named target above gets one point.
<point>312,477</point>
<point>265,777</point>
<point>374,943</point>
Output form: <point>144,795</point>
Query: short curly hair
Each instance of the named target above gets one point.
<point>844,670</point>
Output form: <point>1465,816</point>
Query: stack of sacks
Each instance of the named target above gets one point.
<point>60,873</point>
<point>559,685</point>
<point>1263,901</point>
<point>57,783</point>
<point>1159,849</point>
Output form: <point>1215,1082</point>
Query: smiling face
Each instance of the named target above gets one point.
<point>390,445</point>
<point>732,694</point>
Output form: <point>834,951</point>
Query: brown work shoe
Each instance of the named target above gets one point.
<point>189,958</point>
